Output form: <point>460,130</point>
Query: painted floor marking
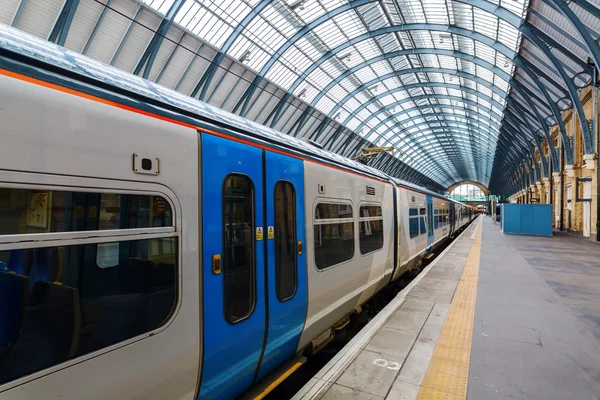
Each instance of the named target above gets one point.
<point>448,373</point>
<point>475,230</point>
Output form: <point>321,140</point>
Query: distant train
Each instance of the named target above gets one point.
<point>155,247</point>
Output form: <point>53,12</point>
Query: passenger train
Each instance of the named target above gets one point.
<point>156,247</point>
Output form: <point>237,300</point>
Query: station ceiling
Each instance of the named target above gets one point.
<point>464,90</point>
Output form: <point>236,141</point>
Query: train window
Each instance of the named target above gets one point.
<point>238,247</point>
<point>413,222</point>
<point>413,227</point>
<point>25,211</point>
<point>286,270</point>
<point>56,304</point>
<point>435,221</point>
<point>371,229</point>
<point>422,211</point>
<point>333,234</point>
<point>423,225</point>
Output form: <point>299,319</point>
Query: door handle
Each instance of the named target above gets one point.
<point>216,264</point>
<point>299,247</point>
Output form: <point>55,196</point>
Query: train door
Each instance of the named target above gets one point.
<point>255,294</point>
<point>429,220</point>
<point>452,218</point>
<point>233,287</point>
<point>287,293</point>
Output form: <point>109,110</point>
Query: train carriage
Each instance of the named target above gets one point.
<point>155,247</point>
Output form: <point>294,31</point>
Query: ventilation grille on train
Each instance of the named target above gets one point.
<point>371,190</point>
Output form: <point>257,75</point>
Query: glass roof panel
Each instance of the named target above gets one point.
<point>444,57</point>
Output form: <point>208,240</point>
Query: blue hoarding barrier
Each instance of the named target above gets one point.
<point>527,219</point>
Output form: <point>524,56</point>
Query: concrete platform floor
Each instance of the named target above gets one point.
<point>537,320</point>
<point>536,327</point>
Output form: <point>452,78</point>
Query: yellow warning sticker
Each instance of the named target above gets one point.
<point>271,232</point>
<point>259,233</point>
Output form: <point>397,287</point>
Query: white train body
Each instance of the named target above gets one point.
<point>58,139</point>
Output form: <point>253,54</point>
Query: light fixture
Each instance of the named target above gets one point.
<point>345,57</point>
<point>245,56</point>
<point>337,116</point>
<point>302,93</point>
<point>444,36</point>
<point>297,5</point>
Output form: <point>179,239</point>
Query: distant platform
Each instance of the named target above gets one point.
<point>493,317</point>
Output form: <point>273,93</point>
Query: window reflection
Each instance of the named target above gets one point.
<point>24,211</point>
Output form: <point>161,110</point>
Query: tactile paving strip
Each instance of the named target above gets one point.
<point>448,372</point>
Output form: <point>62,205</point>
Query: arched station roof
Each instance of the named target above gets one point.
<point>466,90</point>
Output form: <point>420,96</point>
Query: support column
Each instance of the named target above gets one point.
<point>557,203</point>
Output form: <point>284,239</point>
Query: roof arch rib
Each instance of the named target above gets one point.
<point>245,100</point>
<point>464,88</point>
<point>476,60</point>
<point>274,116</point>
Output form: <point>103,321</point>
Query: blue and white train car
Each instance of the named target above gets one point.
<point>155,247</point>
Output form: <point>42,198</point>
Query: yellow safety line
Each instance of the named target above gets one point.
<point>278,381</point>
<point>448,373</point>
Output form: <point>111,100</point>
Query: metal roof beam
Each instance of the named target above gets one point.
<point>244,101</point>
<point>551,104</point>
<point>465,75</point>
<point>333,138</point>
<point>132,24</point>
<point>460,142</point>
<point>62,25</point>
<point>92,35</point>
<point>422,164</point>
<point>373,99</point>
<point>555,26</point>
<point>587,6</point>
<point>591,44</point>
<point>18,13</point>
<point>464,133</point>
<point>147,59</point>
<point>534,133</point>
<point>564,93</point>
<point>473,123</point>
<point>493,114</point>
<point>545,129</point>
<point>518,128</point>
<point>206,79</point>
<point>476,60</point>
<point>470,119</point>
<point>433,160</point>
<point>588,142</point>
<point>529,29</point>
<point>495,117</point>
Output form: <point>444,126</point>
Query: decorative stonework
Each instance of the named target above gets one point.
<point>590,161</point>
<point>570,171</point>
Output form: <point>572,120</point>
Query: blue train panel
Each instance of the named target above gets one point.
<point>233,265</point>
<point>429,201</point>
<point>452,218</point>
<point>287,292</point>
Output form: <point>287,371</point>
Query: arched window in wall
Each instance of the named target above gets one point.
<point>468,192</point>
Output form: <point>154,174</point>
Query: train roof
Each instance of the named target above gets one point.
<point>22,43</point>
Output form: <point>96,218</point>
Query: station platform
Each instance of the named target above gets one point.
<point>493,317</point>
